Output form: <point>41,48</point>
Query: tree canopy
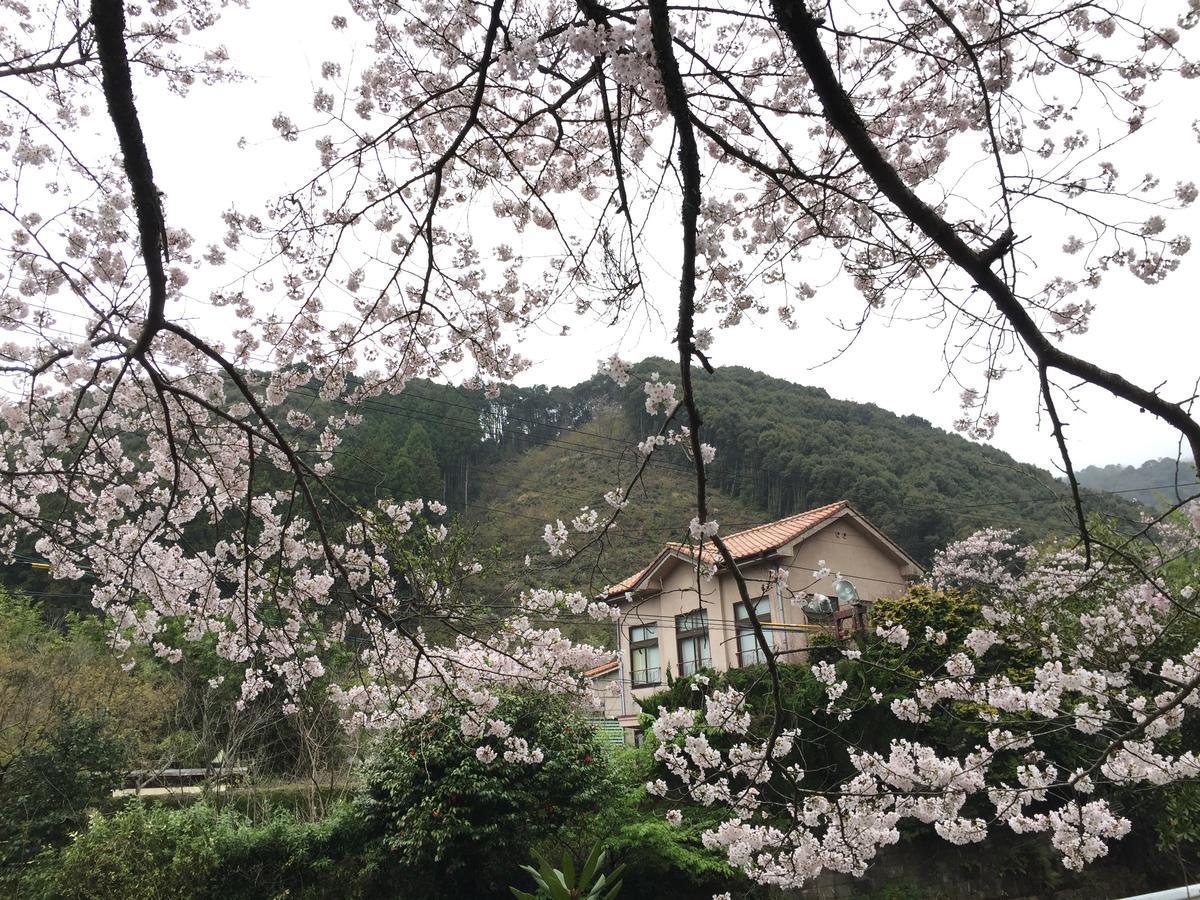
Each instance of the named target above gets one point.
<point>177,396</point>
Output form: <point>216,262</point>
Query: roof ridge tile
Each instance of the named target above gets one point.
<point>743,543</point>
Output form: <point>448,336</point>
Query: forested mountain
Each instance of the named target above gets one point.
<point>1153,483</point>
<point>782,448</point>
<point>509,464</point>
<point>521,493</point>
<point>535,454</point>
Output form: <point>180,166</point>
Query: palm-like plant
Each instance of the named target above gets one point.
<point>565,884</point>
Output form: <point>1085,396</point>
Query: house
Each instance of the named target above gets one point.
<point>679,617</point>
<point>605,682</point>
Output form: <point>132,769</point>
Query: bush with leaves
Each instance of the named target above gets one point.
<point>46,792</point>
<point>455,820</point>
<point>147,852</point>
<point>71,720</point>
<point>662,860</point>
<point>907,644</point>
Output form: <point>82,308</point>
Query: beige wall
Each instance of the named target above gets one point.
<point>610,699</point>
<point>674,589</point>
<point>853,551</point>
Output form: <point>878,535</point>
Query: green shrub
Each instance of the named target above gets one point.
<point>47,789</point>
<point>198,852</point>
<point>662,861</point>
<point>458,826</point>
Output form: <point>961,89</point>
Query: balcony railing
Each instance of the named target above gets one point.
<point>644,677</point>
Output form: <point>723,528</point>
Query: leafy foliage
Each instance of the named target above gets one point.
<point>48,789</point>
<point>662,861</point>
<point>454,823</point>
<point>414,471</point>
<point>142,853</point>
<point>590,883</point>
<point>880,672</point>
<point>71,719</point>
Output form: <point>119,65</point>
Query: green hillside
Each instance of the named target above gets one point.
<point>531,455</point>
<point>1153,483</point>
<point>781,448</point>
<point>519,494</point>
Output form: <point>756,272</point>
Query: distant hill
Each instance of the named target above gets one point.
<point>519,494</point>
<point>781,448</point>
<point>1153,483</point>
<point>508,464</point>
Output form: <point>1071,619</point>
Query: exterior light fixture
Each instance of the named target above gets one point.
<point>846,591</point>
<point>820,606</point>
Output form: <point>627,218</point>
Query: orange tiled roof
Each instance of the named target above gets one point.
<point>625,584</point>
<point>762,538</point>
<point>743,544</point>
<point>601,669</point>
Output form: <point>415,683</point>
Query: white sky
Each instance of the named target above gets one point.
<point>1149,334</point>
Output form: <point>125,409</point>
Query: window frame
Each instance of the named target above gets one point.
<point>644,643</point>
<point>742,627</point>
<point>696,633</point>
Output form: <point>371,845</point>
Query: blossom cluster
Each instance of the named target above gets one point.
<point>551,122</point>
<point>1094,625</point>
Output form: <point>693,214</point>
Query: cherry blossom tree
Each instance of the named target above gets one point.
<point>916,147</point>
<point>1074,684</point>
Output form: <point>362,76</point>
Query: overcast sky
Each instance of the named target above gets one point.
<point>1149,334</point>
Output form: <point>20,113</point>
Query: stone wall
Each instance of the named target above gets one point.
<point>1012,868</point>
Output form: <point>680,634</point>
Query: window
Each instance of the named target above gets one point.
<point>691,629</point>
<point>749,652</point>
<point>643,655</point>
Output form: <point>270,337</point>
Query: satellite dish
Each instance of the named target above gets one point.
<point>820,607</point>
<point>846,590</point>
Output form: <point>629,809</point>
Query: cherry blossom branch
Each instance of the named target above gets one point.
<point>1000,246</point>
<point>1060,438</point>
<point>689,163</point>
<point>60,62</point>
<point>108,17</point>
<point>802,31</point>
<point>598,14</point>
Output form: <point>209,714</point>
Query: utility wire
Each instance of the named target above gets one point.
<point>625,445</point>
<point>663,464</point>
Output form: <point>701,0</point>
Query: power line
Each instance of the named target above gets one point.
<point>586,449</point>
<point>660,618</point>
<point>667,529</point>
